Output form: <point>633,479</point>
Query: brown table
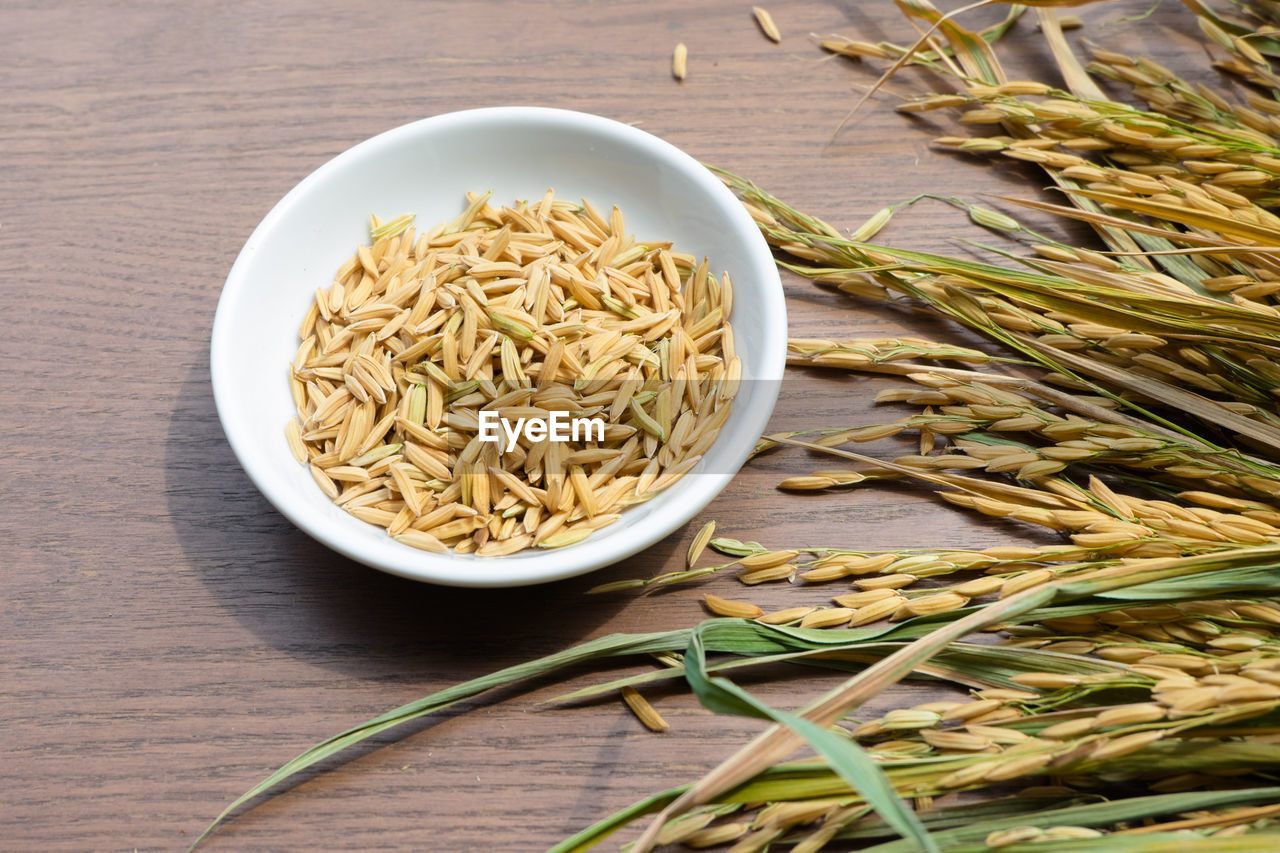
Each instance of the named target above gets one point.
<point>168,638</point>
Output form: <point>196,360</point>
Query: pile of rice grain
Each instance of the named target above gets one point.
<point>522,310</point>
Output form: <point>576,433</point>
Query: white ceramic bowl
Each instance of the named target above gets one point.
<point>426,168</point>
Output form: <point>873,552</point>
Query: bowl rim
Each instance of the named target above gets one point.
<point>603,548</point>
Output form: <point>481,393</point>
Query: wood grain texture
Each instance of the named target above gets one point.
<point>167,637</point>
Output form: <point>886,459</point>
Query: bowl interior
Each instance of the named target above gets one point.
<point>426,168</point>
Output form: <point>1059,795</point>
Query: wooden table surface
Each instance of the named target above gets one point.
<point>167,637</point>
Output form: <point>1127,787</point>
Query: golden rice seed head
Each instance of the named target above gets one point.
<point>1068,729</point>
<point>1005,694</point>
<point>699,543</point>
<point>1071,647</point>
<point>982,144</point>
<point>999,715</point>
<point>895,581</point>
<point>732,609</point>
<point>293,434</point>
<point>1160,673</point>
<point>1187,663</point>
<point>1128,715</point>
<point>979,587</point>
<point>984,115</point>
<point>939,603</point>
<point>851,47</point>
<point>767,26</point>
<point>1014,835</point>
<point>936,707</point>
<point>966,776</point>
<point>1188,699</point>
<point>422,541</point>
<point>1040,468</point>
<point>326,485</point>
<point>684,826</point>
<point>1259,612</point>
<point>564,538</point>
<point>860,599</point>
<point>1236,642</point>
<point>680,61</point>
<point>969,710</point>
<point>645,713</point>
<point>998,734</point>
<point>870,729</point>
<point>789,614</point>
<point>827,618</point>
<point>1047,680</point>
<point>785,814</point>
<point>768,559</point>
<point>995,220</point>
<point>1064,833</point>
<point>875,611</point>
<point>904,719</point>
<point>823,574</point>
<point>1248,693</point>
<point>1017,767</point>
<point>1126,745</point>
<point>806,483</point>
<point>775,573</point>
<point>714,836</point>
<point>900,747</point>
<point>870,565</point>
<point>1025,581</point>
<point>921,563</point>
<point>953,740</point>
<point>871,228</point>
<point>1248,51</point>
